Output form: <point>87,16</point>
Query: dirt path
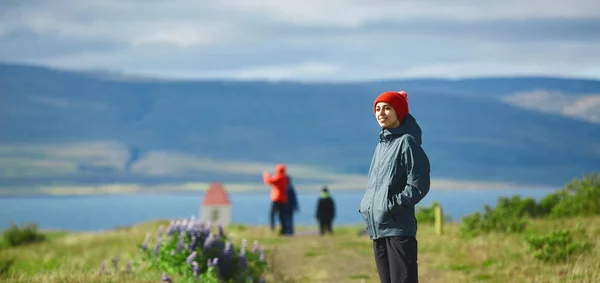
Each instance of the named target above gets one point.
<point>344,257</point>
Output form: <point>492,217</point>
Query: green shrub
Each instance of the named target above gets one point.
<point>511,214</point>
<point>26,234</point>
<point>191,250</point>
<point>578,198</point>
<point>427,214</point>
<point>559,245</point>
<point>500,219</point>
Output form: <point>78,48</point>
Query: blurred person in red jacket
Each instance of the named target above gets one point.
<point>279,184</point>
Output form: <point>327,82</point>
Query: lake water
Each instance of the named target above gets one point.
<point>101,212</point>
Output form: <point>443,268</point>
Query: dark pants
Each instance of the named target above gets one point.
<point>396,259</point>
<point>325,226</point>
<point>279,208</point>
<point>288,223</point>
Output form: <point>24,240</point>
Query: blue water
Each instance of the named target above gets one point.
<point>93,213</point>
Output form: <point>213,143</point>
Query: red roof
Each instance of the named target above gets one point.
<point>216,195</point>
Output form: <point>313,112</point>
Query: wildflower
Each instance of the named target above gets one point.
<point>115,261</point>
<point>157,247</point>
<point>255,246</point>
<point>193,242</point>
<point>165,278</point>
<point>103,267</point>
<point>208,227</point>
<point>244,244</point>
<point>181,241</point>
<point>228,250</point>
<point>128,267</point>
<point>171,229</point>
<point>191,257</point>
<point>160,230</point>
<point>172,252</point>
<point>195,269</point>
<point>215,264</point>
<point>262,254</point>
<point>146,240</point>
<point>208,243</point>
<point>243,261</point>
<point>221,231</point>
<point>190,229</point>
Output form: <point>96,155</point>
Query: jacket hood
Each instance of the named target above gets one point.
<point>280,169</point>
<point>409,126</point>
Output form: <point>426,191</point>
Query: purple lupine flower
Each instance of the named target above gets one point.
<point>244,244</point>
<point>146,240</point>
<point>176,226</point>
<point>128,267</point>
<point>262,254</point>
<point>103,267</point>
<point>208,243</point>
<point>191,257</point>
<point>115,262</point>
<point>221,231</point>
<point>243,261</point>
<point>195,269</point>
<point>165,278</point>
<point>190,230</point>
<point>193,242</point>
<point>181,241</point>
<point>215,264</point>
<point>208,227</point>
<point>183,226</point>
<point>171,228</point>
<point>228,250</point>
<point>157,247</point>
<point>255,246</point>
<point>172,252</point>
<point>160,230</point>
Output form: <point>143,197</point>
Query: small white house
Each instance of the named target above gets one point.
<point>216,206</point>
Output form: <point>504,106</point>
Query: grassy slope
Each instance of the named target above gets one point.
<point>344,257</point>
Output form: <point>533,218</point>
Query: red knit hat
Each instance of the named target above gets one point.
<point>398,100</point>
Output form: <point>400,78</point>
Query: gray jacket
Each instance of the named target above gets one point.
<point>398,180</point>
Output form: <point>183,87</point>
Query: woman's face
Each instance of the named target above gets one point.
<point>386,115</point>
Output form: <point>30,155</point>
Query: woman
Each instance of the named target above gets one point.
<point>398,180</point>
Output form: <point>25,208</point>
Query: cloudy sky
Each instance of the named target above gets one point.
<point>306,40</point>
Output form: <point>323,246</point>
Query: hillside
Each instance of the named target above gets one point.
<point>342,257</point>
<point>60,127</point>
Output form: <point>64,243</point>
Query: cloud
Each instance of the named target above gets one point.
<point>307,40</point>
<point>586,108</point>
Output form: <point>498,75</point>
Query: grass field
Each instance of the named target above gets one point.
<point>343,257</point>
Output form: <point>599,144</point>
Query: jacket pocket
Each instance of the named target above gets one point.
<point>391,212</point>
<point>395,209</point>
<point>381,213</point>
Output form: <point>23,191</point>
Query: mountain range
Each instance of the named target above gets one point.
<point>85,130</point>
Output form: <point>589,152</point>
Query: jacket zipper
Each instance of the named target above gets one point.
<point>377,187</point>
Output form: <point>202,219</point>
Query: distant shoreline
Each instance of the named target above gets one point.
<point>84,193</point>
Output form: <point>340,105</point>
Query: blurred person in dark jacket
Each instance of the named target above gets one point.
<point>291,207</point>
<point>325,211</point>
